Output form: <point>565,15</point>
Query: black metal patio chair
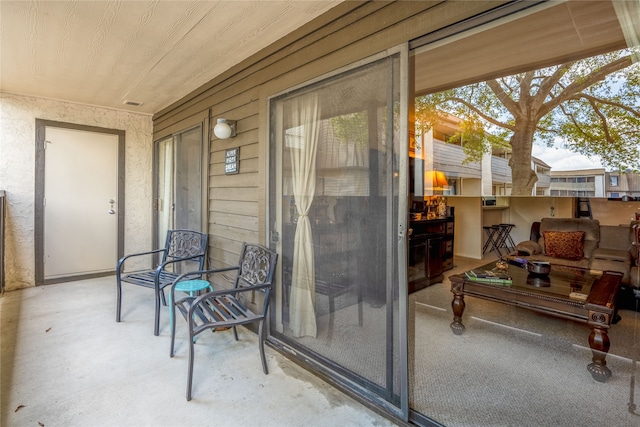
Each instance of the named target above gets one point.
<point>230,307</point>
<point>184,250</point>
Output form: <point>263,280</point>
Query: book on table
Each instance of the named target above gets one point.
<point>516,260</point>
<point>488,276</point>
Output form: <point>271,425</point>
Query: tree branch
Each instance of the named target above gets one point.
<point>603,120</point>
<point>573,120</point>
<point>577,86</point>
<point>481,113</point>
<point>591,98</point>
<point>525,89</point>
<point>504,97</point>
<point>551,81</point>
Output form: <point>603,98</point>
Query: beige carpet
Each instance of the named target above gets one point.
<point>515,367</point>
<point>511,367</point>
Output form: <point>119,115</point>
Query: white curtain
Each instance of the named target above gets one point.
<point>305,112</point>
<point>165,189</point>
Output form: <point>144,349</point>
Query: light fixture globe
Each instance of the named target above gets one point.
<point>224,129</point>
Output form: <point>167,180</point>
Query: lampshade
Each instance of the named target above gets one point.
<point>435,180</point>
<point>224,129</point>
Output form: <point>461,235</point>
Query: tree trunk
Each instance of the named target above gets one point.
<point>523,178</point>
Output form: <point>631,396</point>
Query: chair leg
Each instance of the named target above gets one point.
<point>190,373</point>
<point>118,298</point>
<point>171,311</point>
<point>156,329</point>
<point>173,326</point>
<point>164,301</point>
<point>265,369</point>
<point>235,333</point>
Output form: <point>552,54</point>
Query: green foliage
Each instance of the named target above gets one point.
<point>591,105</point>
<point>351,128</point>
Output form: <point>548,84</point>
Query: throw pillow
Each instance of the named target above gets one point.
<point>564,244</point>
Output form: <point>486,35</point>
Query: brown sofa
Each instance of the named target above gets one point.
<point>583,242</point>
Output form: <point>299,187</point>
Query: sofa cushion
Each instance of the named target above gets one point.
<point>618,237</point>
<point>612,255</point>
<point>564,244</point>
<point>623,267</point>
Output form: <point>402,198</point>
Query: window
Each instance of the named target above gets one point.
<point>613,180</point>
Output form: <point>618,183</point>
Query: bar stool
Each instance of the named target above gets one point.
<point>191,286</point>
<point>505,240</point>
<point>491,244</point>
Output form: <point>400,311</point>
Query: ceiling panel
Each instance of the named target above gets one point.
<point>155,52</point>
<point>538,37</point>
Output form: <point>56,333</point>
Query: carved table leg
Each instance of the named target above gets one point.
<point>599,343</point>
<point>458,308</point>
<point>616,316</point>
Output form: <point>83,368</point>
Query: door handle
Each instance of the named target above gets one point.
<point>111,211</point>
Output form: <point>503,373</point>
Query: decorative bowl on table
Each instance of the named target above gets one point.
<point>539,268</point>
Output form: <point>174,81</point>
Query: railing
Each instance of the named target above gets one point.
<point>544,180</point>
<point>2,203</point>
<point>500,170</point>
<point>449,159</point>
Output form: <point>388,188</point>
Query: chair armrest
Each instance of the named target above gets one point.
<point>534,234</point>
<point>199,273</point>
<point>162,266</point>
<point>202,272</point>
<point>172,261</point>
<point>529,247</point>
<point>124,258</point>
<point>223,292</point>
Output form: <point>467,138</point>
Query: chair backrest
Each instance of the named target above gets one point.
<point>186,243</point>
<point>257,266</point>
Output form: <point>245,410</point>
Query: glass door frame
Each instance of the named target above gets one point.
<point>398,244</point>
<point>204,174</point>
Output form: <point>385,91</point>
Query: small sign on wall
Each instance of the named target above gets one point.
<point>231,160</point>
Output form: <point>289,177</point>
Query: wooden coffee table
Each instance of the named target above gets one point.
<point>550,295</point>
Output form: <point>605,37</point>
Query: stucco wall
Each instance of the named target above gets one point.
<point>17,174</point>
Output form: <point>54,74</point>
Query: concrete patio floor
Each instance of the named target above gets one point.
<point>66,362</point>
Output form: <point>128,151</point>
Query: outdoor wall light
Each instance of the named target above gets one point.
<point>225,128</point>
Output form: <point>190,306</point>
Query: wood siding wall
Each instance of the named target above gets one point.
<point>346,34</point>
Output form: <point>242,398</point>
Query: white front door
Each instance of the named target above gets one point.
<point>80,202</point>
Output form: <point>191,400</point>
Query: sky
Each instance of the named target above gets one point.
<point>562,159</point>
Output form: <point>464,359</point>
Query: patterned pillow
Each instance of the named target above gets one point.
<point>564,244</point>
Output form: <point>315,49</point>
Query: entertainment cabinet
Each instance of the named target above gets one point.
<point>430,251</point>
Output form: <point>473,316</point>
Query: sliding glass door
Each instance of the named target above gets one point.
<point>178,186</point>
<point>335,204</point>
